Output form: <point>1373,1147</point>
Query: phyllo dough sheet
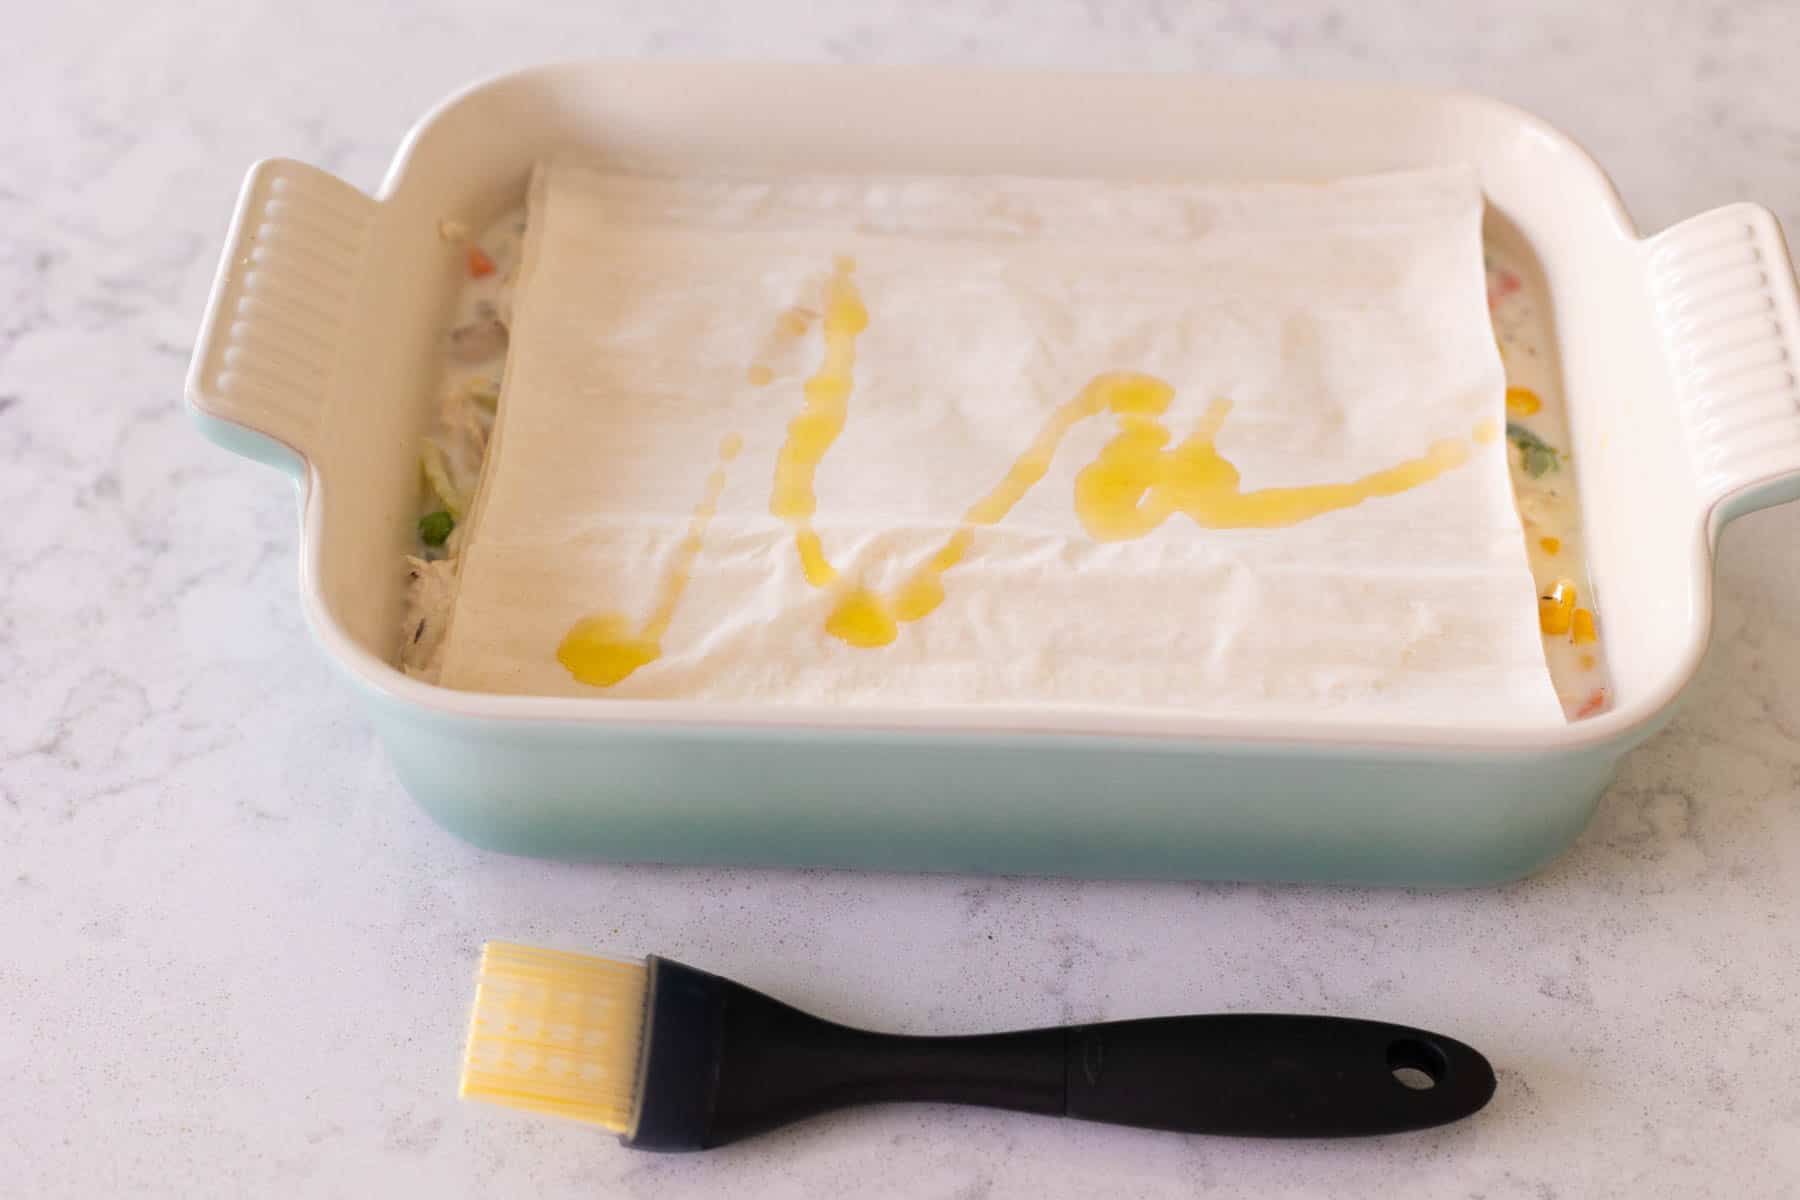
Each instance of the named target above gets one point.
<point>935,441</point>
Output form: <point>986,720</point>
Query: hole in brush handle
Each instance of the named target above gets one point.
<point>1418,1063</point>
<point>1260,1075</point>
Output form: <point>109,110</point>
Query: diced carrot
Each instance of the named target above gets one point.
<point>1522,400</point>
<point>1557,610</point>
<point>1594,704</point>
<point>480,265</point>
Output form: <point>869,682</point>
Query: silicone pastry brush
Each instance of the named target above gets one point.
<point>672,1058</point>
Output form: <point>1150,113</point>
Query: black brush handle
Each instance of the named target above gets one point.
<point>722,1061</point>
<point>1272,1075</point>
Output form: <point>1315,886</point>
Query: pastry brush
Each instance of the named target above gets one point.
<point>673,1058</point>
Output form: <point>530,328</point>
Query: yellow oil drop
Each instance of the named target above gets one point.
<point>813,564</point>
<point>759,375</point>
<point>603,649</point>
<point>827,392</point>
<point>1131,394</point>
<point>920,595</point>
<point>952,551</point>
<point>862,618</point>
<point>1487,432</point>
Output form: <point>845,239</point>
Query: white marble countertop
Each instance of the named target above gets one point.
<point>237,956</point>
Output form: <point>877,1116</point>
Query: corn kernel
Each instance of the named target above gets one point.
<point>1557,610</point>
<point>1551,545</point>
<point>1581,627</point>
<point>1523,401</point>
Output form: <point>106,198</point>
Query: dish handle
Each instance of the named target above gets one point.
<point>273,331</point>
<point>1725,296</point>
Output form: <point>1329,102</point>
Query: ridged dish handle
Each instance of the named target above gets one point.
<point>1723,285</point>
<point>271,339</point>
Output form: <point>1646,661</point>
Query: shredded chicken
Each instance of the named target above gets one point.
<point>455,446</point>
<point>430,592</point>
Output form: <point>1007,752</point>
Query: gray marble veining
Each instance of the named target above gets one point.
<point>237,957</point>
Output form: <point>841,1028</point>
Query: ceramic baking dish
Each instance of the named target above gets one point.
<point>319,353</point>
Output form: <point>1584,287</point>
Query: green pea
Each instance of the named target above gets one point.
<point>435,527</point>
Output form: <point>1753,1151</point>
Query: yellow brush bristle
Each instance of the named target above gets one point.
<point>556,1033</point>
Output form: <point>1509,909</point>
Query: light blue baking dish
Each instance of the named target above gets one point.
<point>1678,354</point>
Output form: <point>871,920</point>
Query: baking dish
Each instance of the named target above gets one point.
<point>318,348</point>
